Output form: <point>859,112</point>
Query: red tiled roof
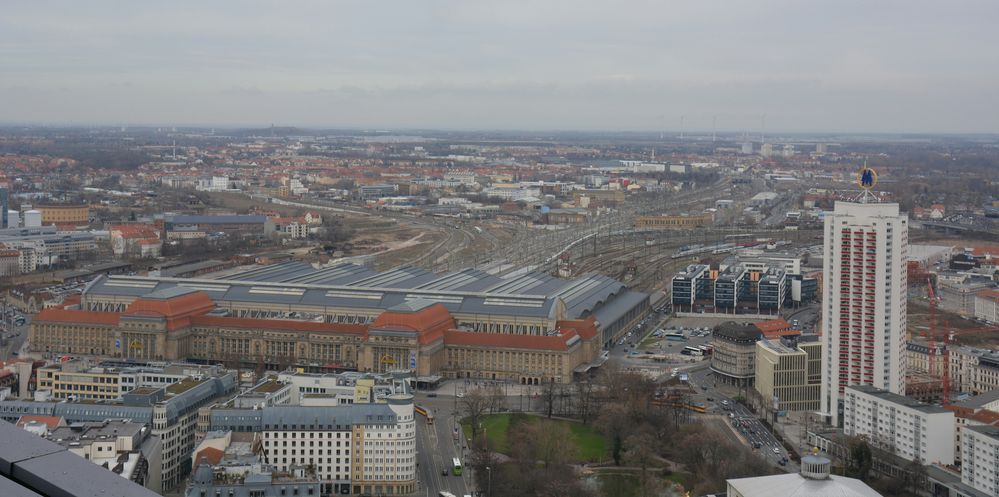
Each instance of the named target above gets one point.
<point>989,294</point>
<point>52,422</point>
<point>983,251</point>
<point>279,324</point>
<point>586,328</point>
<point>774,328</point>
<point>74,299</point>
<point>504,340</point>
<point>57,315</point>
<point>135,231</point>
<point>429,323</point>
<point>177,310</point>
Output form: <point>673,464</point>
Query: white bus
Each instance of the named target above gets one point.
<point>692,351</point>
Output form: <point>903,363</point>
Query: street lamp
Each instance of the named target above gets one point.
<point>489,481</point>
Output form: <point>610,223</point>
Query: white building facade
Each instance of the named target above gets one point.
<point>900,425</point>
<point>980,458</point>
<point>864,278</point>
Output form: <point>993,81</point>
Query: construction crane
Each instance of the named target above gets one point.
<point>933,344</point>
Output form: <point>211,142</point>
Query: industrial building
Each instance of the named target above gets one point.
<point>527,328</point>
<point>667,222</point>
<point>189,226</point>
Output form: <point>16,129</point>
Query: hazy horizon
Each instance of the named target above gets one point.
<point>843,67</point>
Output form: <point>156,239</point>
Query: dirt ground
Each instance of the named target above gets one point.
<point>964,331</point>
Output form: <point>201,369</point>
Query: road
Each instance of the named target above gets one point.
<point>436,445</point>
<point>12,337</point>
<point>752,431</point>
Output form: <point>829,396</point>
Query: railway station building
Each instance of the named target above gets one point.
<point>530,328</point>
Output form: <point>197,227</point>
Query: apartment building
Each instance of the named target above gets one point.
<point>974,371</point>
<point>980,458</point>
<point>900,425</point>
<point>864,288</point>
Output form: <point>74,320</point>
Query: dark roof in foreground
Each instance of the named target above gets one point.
<point>32,466</point>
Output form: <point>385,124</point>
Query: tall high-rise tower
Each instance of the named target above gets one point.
<point>864,299</point>
<point>4,222</point>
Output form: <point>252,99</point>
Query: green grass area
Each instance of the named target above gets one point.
<point>589,444</point>
<point>681,478</point>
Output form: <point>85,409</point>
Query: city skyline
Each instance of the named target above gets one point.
<point>453,66</point>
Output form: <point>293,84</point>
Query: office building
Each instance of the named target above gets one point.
<point>980,458</point>
<point>733,358</point>
<point>4,205</point>
<point>691,284</point>
<point>814,480</point>
<point>900,425</point>
<point>78,380</point>
<point>790,371</point>
<point>987,306</point>
<point>367,449</point>
<point>864,294</point>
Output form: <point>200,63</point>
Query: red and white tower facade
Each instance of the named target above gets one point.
<point>864,300</point>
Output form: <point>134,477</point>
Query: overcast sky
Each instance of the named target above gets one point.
<point>837,65</point>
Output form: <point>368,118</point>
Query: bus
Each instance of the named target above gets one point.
<point>706,349</point>
<point>676,336</point>
<point>444,493</point>
<point>692,351</point>
<point>457,466</point>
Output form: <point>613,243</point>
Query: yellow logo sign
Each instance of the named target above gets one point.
<point>867,178</point>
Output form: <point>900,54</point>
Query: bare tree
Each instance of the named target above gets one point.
<point>549,394</point>
<point>584,400</point>
<point>474,405</point>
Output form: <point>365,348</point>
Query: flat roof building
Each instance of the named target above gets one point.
<point>900,425</point>
<point>790,371</point>
<point>814,480</point>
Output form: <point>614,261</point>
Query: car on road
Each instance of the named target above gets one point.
<point>432,394</point>
<point>444,472</point>
<point>461,395</point>
<point>776,451</point>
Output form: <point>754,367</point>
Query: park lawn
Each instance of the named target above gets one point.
<point>590,446</point>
